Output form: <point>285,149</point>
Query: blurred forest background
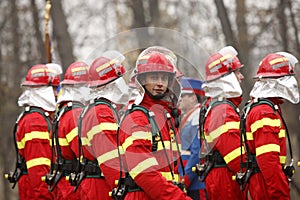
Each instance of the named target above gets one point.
<point>80,29</point>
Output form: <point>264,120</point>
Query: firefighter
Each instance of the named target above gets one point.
<point>220,126</point>
<point>100,122</point>
<point>147,132</point>
<point>266,130</point>
<point>33,131</point>
<point>74,95</point>
<point>190,102</point>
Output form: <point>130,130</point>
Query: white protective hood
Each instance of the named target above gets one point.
<point>227,86</point>
<point>285,87</point>
<point>42,97</point>
<point>74,93</point>
<point>116,91</point>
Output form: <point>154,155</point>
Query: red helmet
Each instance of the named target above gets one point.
<point>55,71</point>
<point>77,73</point>
<point>106,68</point>
<point>277,65</point>
<point>38,75</point>
<point>222,63</point>
<point>156,59</point>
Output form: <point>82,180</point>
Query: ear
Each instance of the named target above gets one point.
<point>143,81</point>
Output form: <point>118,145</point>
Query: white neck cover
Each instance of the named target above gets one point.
<point>227,86</point>
<point>42,97</point>
<point>285,87</point>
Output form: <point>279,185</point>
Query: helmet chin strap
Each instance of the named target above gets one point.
<point>157,97</point>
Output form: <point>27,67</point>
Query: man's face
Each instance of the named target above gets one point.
<point>187,102</point>
<point>239,76</point>
<point>156,83</point>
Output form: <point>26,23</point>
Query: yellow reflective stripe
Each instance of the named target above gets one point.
<point>20,145</point>
<point>143,166</point>
<point>249,135</point>
<point>277,60</point>
<point>139,135</point>
<point>264,122</point>
<point>174,146</point>
<point>281,133</point>
<point>168,176</point>
<point>160,146</point>
<point>38,161</point>
<point>267,148</point>
<point>105,126</point>
<point>73,133</point>
<point>108,156</point>
<point>121,150</point>
<point>62,142</point>
<point>234,154</point>
<point>33,135</point>
<point>222,129</point>
<point>85,141</point>
<point>282,159</point>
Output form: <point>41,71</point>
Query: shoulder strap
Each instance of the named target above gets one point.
<point>216,102</point>
<point>151,119</point>
<point>28,110</point>
<point>58,114</point>
<point>149,115</point>
<point>109,104</point>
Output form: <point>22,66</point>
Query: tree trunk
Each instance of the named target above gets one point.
<point>61,34</point>
<point>38,33</point>
<point>139,22</point>
<point>282,24</point>
<point>15,72</point>
<point>225,23</point>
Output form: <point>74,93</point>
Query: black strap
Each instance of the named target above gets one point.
<point>245,112</point>
<point>204,111</point>
<point>61,111</point>
<point>83,162</point>
<point>20,167</point>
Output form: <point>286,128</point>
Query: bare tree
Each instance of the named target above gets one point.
<point>225,22</point>
<point>61,34</point>
<point>282,22</point>
<point>38,34</point>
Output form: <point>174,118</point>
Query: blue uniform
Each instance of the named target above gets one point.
<point>190,141</point>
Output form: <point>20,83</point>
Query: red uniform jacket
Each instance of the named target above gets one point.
<point>222,132</point>
<point>99,133</point>
<point>33,141</point>
<point>267,140</point>
<point>68,141</point>
<point>150,170</point>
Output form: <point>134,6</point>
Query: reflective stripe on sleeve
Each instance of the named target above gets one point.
<point>234,154</point>
<point>73,133</point>
<point>33,135</point>
<point>264,122</point>
<point>85,141</point>
<point>108,156</point>
<point>142,166</point>
<point>105,126</point>
<point>38,161</point>
<point>222,129</point>
<point>267,148</point>
<point>139,135</point>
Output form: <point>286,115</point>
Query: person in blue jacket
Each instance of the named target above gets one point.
<point>191,96</point>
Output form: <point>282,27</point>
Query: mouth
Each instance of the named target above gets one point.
<point>159,91</point>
